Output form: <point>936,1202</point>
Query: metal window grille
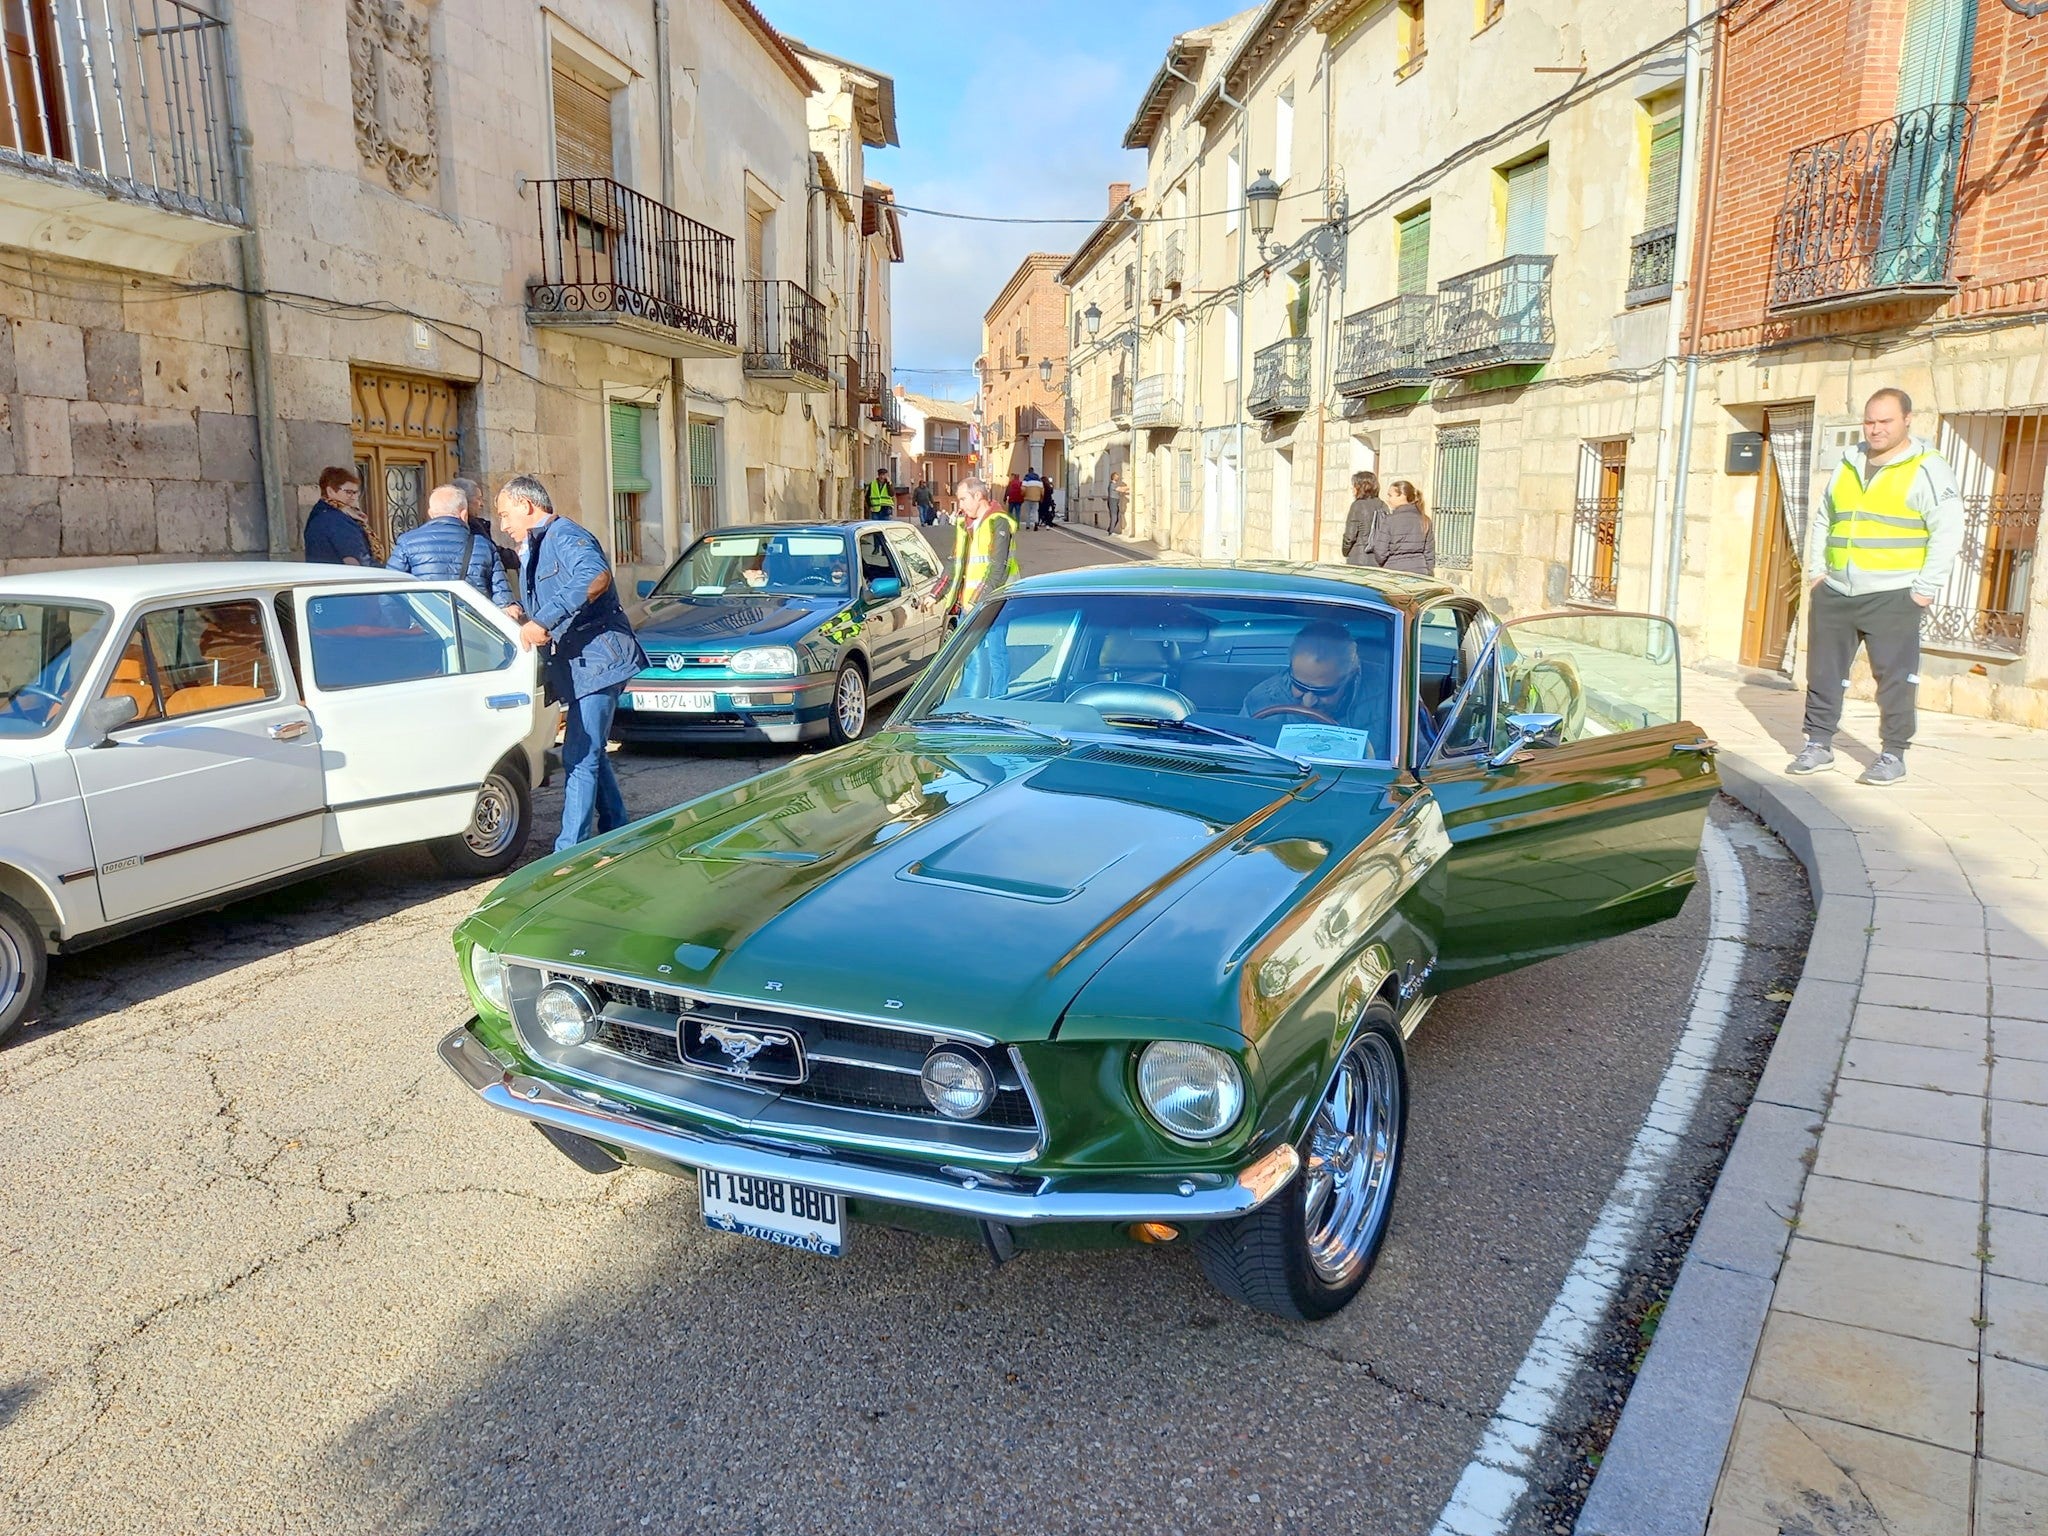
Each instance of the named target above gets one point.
<point>607,249</point>
<point>1596,521</point>
<point>1456,495</point>
<point>703,474</point>
<point>2001,463</point>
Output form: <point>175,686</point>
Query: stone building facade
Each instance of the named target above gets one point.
<point>474,236</point>
<point>1102,282</point>
<point>1023,416</point>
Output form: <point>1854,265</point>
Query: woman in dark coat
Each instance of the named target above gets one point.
<point>1404,539</point>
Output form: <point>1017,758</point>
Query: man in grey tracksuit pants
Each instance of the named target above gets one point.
<point>1879,548</point>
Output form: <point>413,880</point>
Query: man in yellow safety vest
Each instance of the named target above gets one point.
<point>1878,551</point>
<point>984,546</point>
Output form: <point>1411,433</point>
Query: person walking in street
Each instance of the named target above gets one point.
<point>1878,549</point>
<point>984,546</point>
<point>1013,498</point>
<point>922,499</point>
<point>572,605</point>
<point>1034,500</point>
<point>1116,501</point>
<point>1403,538</point>
<point>1363,519</point>
<point>337,529</point>
<point>881,496</point>
<point>447,547</point>
<point>1048,507</point>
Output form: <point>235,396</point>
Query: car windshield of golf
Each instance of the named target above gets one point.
<point>44,651</point>
<point>1312,681</point>
<point>747,564</point>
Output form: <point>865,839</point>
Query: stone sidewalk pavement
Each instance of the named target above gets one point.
<point>1866,1302</point>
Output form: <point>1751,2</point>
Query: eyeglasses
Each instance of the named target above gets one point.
<point>346,490</point>
<point>1310,695</point>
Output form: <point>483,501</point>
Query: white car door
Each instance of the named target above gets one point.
<point>216,783</point>
<point>417,692</point>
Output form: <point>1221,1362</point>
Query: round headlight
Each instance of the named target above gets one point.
<point>565,1011</point>
<point>487,970</point>
<point>763,660</point>
<point>959,1084</point>
<point>1194,1091</point>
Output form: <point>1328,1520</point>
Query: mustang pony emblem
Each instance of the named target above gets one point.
<point>741,1046</point>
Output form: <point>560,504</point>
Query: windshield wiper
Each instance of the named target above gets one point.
<point>967,717</point>
<point>1196,728</point>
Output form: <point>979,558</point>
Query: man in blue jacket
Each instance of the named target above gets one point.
<point>447,547</point>
<point>572,606</point>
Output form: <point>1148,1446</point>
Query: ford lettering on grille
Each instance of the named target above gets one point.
<point>758,1053</point>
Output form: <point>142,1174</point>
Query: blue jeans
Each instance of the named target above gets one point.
<point>589,787</point>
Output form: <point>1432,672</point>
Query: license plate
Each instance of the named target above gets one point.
<point>774,1210</point>
<point>676,700</point>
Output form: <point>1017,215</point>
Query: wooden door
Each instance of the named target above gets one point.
<point>404,427</point>
<point>1773,600</point>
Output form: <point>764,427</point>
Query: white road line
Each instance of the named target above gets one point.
<point>1498,1475</point>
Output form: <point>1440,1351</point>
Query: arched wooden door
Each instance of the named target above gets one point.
<point>404,427</point>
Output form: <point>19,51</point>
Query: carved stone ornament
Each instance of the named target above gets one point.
<point>392,76</point>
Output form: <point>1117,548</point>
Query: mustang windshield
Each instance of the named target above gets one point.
<point>45,648</point>
<point>1312,679</point>
<point>743,562</point>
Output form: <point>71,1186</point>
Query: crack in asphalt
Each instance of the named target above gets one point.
<point>1371,1373</point>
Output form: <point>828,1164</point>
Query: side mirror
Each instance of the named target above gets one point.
<point>644,587</point>
<point>1528,731</point>
<point>105,716</point>
<point>886,587</point>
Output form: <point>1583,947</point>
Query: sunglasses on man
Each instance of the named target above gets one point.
<point>1312,695</point>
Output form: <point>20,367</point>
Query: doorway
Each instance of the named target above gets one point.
<point>404,430</point>
<point>1771,607</point>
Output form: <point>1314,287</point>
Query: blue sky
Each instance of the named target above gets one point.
<point>1015,109</point>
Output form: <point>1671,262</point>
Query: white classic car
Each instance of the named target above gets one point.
<point>174,736</point>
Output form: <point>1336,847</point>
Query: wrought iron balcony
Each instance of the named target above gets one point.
<point>1871,214</point>
<point>1386,347</point>
<point>1157,404</point>
<point>1120,400</point>
<point>1279,380</point>
<point>786,336</point>
<point>1497,316</point>
<point>1652,258</point>
<point>864,369</point>
<point>116,119</point>
<point>619,266</point>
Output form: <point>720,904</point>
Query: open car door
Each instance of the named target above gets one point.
<point>1573,790</point>
<point>417,690</point>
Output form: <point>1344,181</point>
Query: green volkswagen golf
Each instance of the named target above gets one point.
<point>1114,933</point>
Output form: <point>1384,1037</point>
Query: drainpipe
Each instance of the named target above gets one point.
<point>665,121</point>
<point>1244,237</point>
<point>1137,362</point>
<point>1682,307</point>
<point>281,519</point>
<point>1194,390</point>
<point>1333,308</point>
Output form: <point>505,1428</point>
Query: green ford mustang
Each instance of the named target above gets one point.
<point>1115,931</point>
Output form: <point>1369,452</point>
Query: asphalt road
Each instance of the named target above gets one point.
<point>264,1268</point>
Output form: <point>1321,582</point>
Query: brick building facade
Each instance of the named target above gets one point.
<point>1022,416</point>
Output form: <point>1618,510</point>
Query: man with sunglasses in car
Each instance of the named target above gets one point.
<point>1322,682</point>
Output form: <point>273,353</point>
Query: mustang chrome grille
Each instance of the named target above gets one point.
<point>860,1080</point>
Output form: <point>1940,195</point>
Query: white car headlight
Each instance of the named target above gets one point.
<point>1195,1091</point>
<point>487,970</point>
<point>763,660</point>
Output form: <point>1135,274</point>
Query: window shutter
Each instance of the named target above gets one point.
<point>1934,66</point>
<point>1665,143</point>
<point>583,128</point>
<point>628,469</point>
<point>1528,207</point>
<point>1411,238</point>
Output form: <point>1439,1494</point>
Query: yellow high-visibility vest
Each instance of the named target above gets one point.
<point>1873,521</point>
<point>974,553</point>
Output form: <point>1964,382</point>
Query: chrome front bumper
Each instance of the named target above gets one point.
<point>1168,1198</point>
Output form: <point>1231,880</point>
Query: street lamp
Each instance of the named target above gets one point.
<point>1045,370</point>
<point>1262,199</point>
<point>1091,318</point>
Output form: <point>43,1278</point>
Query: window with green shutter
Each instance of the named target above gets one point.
<point>629,429</point>
<point>1411,251</point>
<point>1665,143</point>
<point>1528,225</point>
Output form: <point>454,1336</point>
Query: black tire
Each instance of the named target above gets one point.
<point>24,966</point>
<point>848,714</point>
<point>1271,1260</point>
<point>499,824</point>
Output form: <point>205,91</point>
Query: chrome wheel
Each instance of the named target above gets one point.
<point>494,821</point>
<point>850,703</point>
<point>1353,1148</point>
<point>13,972</point>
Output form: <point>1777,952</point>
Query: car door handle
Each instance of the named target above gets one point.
<point>1702,748</point>
<point>508,700</point>
<point>288,730</point>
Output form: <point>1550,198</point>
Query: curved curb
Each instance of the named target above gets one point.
<point>1664,1462</point>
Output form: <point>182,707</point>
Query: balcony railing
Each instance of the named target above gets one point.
<point>1386,347</point>
<point>617,264</point>
<point>1157,403</point>
<point>1279,379</point>
<point>786,334</point>
<point>124,98</point>
<point>1155,281</point>
<point>1984,604</point>
<point>1652,258</point>
<point>1596,543</point>
<point>1120,400</point>
<point>1174,261</point>
<point>864,368</point>
<point>1497,316</point>
<point>1871,213</point>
